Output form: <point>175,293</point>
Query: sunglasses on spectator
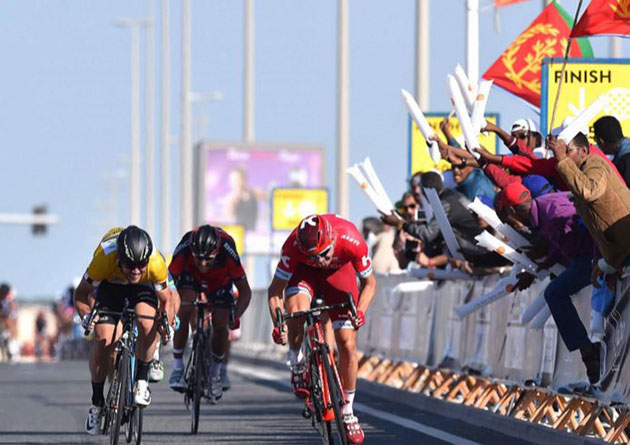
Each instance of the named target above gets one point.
<point>522,136</point>
<point>321,254</point>
<point>410,206</point>
<point>131,265</point>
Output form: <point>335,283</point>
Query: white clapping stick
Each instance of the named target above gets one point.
<point>533,309</point>
<point>492,243</point>
<point>504,287</point>
<point>445,225</point>
<point>542,317</point>
<point>514,239</point>
<point>583,119</point>
<point>367,188</point>
<point>470,136</point>
<point>467,90</point>
<point>479,108</point>
<point>422,123</point>
<point>375,181</point>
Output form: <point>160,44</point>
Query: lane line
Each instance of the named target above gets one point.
<point>283,377</point>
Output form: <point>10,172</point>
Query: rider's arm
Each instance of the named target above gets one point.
<point>81,294</point>
<point>167,303</point>
<point>274,293</point>
<point>244,296</point>
<point>368,288</point>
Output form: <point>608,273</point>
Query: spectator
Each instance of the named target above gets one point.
<point>406,247</point>
<point>380,239</point>
<point>601,198</point>
<point>603,201</point>
<point>465,225</point>
<point>472,182</point>
<point>609,137</point>
<point>561,238</point>
<point>524,139</point>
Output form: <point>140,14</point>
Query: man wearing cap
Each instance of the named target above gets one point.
<point>523,140</point>
<point>609,137</point>
<point>562,238</point>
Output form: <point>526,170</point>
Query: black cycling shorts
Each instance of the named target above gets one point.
<point>111,297</point>
<point>220,298</point>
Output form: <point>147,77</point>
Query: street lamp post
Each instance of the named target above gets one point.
<point>134,171</point>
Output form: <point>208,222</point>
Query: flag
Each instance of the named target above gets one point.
<point>499,3</point>
<point>604,17</point>
<point>517,70</point>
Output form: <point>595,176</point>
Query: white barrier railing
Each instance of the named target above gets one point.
<point>414,320</point>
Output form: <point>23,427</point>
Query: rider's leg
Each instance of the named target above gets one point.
<point>102,358</point>
<point>186,315</point>
<point>296,300</point>
<point>220,331</point>
<point>348,364</point>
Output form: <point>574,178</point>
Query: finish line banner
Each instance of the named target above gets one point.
<point>584,81</point>
<point>419,159</point>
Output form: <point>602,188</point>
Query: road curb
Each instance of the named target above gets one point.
<point>473,416</point>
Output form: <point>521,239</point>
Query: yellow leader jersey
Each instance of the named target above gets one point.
<point>105,267</point>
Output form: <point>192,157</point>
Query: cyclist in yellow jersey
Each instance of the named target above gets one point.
<point>124,266</point>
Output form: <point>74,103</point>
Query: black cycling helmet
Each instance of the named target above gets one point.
<point>134,247</point>
<point>205,242</point>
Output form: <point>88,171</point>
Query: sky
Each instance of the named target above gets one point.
<point>65,102</point>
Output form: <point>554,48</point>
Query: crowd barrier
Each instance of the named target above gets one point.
<point>413,320</point>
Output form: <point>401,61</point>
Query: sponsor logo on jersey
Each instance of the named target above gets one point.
<point>350,239</point>
<point>284,259</point>
<point>109,245</point>
<point>231,251</point>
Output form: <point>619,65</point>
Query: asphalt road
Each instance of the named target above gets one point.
<point>48,403</point>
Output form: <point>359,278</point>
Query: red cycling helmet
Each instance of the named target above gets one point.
<point>314,235</point>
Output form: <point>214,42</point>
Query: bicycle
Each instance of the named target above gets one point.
<point>196,372</point>
<point>325,390</point>
<point>119,404</point>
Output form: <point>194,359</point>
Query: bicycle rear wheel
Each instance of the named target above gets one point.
<point>335,392</point>
<point>120,396</point>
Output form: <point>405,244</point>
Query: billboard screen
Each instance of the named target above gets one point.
<point>236,180</point>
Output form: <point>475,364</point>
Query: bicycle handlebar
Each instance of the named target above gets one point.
<point>282,317</point>
<point>96,311</point>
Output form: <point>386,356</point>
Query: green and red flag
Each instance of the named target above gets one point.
<point>517,70</point>
<point>609,17</point>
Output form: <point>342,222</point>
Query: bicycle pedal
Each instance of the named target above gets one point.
<point>306,413</point>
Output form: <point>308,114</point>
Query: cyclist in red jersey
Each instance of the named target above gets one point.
<point>206,260</point>
<point>323,255</point>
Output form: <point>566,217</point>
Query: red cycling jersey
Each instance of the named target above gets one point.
<point>349,248</point>
<point>225,268</point>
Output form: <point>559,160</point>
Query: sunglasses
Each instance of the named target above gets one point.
<point>410,206</point>
<point>321,254</point>
<point>521,136</point>
<point>131,265</point>
<point>209,257</point>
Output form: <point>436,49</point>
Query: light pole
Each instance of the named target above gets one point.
<point>186,179</point>
<point>165,154</point>
<point>134,169</point>
<point>149,111</point>
<point>343,135</point>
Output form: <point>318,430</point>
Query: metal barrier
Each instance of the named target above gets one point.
<point>413,340</point>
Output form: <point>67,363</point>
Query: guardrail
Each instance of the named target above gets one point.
<point>413,340</point>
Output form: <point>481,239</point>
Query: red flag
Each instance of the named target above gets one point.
<point>499,3</point>
<point>517,70</point>
<point>604,17</point>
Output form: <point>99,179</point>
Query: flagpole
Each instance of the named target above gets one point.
<point>564,66</point>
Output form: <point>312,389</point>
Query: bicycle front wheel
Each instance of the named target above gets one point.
<point>335,392</point>
<point>197,387</point>
<point>120,395</point>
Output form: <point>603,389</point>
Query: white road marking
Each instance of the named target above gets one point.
<point>283,379</point>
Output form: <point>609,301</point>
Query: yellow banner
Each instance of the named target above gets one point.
<point>237,232</point>
<point>584,81</point>
<point>290,205</point>
<point>420,161</point>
